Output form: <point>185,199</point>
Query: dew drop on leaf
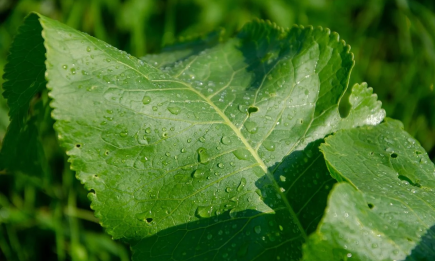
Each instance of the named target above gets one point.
<point>146,100</point>
<point>242,184</point>
<point>257,229</point>
<point>251,127</point>
<point>241,154</point>
<point>204,211</point>
<point>174,110</point>
<point>202,155</point>
<point>225,140</point>
<point>221,165</point>
<point>197,174</point>
<point>269,145</point>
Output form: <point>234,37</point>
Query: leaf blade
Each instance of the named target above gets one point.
<point>390,205</point>
<point>162,156</point>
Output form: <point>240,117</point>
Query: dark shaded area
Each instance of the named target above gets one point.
<point>425,250</point>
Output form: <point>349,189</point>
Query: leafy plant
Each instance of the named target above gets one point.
<point>210,150</point>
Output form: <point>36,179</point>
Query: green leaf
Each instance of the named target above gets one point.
<point>388,214</point>
<point>215,155</point>
<point>24,79</point>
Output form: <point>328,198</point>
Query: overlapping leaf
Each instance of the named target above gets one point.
<point>213,156</point>
<point>391,215</point>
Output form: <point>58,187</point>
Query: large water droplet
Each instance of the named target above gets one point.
<point>174,110</point>
<point>204,211</point>
<point>146,100</point>
<point>269,145</point>
<point>203,155</point>
<point>242,184</point>
<point>251,127</point>
<point>220,165</point>
<point>226,140</point>
<point>241,153</point>
<point>198,174</point>
<point>123,134</point>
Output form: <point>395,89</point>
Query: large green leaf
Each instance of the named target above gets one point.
<point>215,155</point>
<point>389,214</point>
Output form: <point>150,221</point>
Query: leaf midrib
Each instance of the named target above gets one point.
<point>230,124</point>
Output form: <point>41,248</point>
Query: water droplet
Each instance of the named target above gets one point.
<point>202,139</point>
<point>282,178</point>
<point>65,66</point>
<point>221,165</point>
<point>209,236</point>
<point>183,150</point>
<point>148,130</point>
<point>146,100</point>
<point>242,184</point>
<point>228,189</point>
<point>251,127</point>
<point>269,145</point>
<point>241,153</point>
<point>155,108</point>
<point>73,70</point>
<point>257,229</point>
<point>88,49</point>
<point>204,211</point>
<point>198,174</point>
<point>167,154</point>
<point>202,155</point>
<point>226,140</point>
<point>174,110</point>
<point>123,134</point>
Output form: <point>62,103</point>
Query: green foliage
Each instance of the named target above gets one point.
<point>210,149</point>
<point>44,212</point>
<point>390,208</point>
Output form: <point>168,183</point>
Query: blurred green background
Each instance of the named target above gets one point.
<point>48,216</point>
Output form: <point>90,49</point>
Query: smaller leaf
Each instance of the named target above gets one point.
<point>393,205</point>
